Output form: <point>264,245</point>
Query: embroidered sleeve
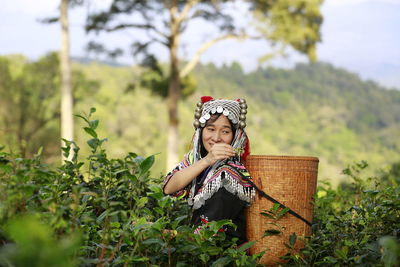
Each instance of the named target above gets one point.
<point>186,162</point>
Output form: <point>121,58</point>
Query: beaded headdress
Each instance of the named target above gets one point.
<point>234,110</point>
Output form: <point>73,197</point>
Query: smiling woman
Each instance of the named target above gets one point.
<point>212,176</point>
<point>218,130</point>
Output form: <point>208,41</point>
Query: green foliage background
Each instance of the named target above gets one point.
<point>311,110</point>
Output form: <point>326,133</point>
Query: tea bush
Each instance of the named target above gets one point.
<point>110,212</point>
<point>113,206</point>
<point>357,224</point>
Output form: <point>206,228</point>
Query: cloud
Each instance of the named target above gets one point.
<point>28,7</point>
<point>41,7</point>
<point>340,3</point>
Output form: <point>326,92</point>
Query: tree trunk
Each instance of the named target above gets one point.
<point>67,124</point>
<point>174,92</point>
<point>172,104</point>
<point>21,128</point>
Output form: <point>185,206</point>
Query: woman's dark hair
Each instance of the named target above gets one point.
<point>213,118</point>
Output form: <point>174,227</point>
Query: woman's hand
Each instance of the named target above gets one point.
<point>219,151</point>
<point>182,178</point>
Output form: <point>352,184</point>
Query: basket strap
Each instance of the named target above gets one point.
<point>265,195</point>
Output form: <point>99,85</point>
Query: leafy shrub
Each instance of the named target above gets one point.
<point>356,225</point>
<point>35,245</point>
<point>110,212</point>
<point>118,210</point>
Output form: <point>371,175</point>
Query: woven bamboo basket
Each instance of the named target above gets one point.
<point>292,181</point>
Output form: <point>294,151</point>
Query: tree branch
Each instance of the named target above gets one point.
<point>140,26</point>
<point>183,15</point>
<point>157,40</point>
<point>196,57</point>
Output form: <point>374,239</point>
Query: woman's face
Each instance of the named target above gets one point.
<point>219,131</point>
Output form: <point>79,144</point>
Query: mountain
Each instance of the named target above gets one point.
<point>386,74</point>
<point>310,110</point>
<point>86,60</point>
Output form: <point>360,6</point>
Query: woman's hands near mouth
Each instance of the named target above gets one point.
<point>219,151</point>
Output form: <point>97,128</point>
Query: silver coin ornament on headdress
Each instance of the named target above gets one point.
<point>234,110</point>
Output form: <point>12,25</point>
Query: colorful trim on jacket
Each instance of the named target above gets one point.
<point>230,174</point>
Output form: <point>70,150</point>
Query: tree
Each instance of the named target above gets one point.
<point>67,122</point>
<point>67,105</point>
<point>287,23</point>
<point>29,103</point>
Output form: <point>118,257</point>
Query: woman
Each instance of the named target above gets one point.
<point>212,176</point>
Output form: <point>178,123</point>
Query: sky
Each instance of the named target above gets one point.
<point>362,36</point>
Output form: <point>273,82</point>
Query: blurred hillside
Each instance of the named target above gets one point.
<point>315,110</point>
<point>311,110</point>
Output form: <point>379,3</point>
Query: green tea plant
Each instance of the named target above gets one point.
<point>110,212</point>
<point>357,224</point>
<point>119,212</point>
<point>35,245</point>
